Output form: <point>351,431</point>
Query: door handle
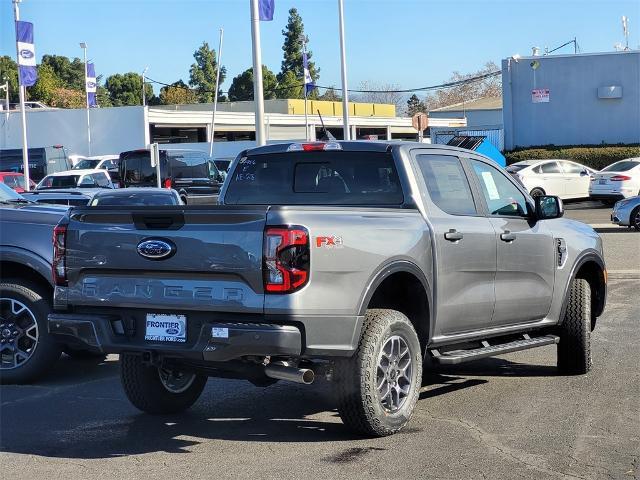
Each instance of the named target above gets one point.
<point>507,236</point>
<point>453,236</point>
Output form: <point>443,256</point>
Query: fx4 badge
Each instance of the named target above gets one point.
<point>332,241</point>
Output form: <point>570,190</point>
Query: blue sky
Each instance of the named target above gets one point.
<point>410,43</point>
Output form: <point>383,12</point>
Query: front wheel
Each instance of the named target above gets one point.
<point>377,389</point>
<point>634,218</point>
<point>158,390</point>
<point>574,348</point>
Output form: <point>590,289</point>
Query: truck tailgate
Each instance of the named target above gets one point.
<point>215,263</point>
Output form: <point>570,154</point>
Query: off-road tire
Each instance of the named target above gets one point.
<point>632,218</point>
<point>537,192</point>
<point>574,348</point>
<point>47,351</point>
<point>142,385</point>
<point>355,377</point>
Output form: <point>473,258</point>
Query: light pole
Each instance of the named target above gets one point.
<point>22,90</point>
<point>215,97</point>
<point>144,97</point>
<point>258,93</point>
<point>83,46</point>
<point>345,93</point>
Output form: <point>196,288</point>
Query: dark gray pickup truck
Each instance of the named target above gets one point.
<point>353,260</point>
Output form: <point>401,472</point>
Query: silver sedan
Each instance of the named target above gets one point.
<point>627,212</point>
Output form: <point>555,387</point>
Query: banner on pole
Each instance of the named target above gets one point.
<point>308,81</point>
<point>92,86</point>
<point>266,9</point>
<point>27,72</point>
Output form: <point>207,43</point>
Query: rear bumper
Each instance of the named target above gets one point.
<point>255,336</point>
<point>606,196</point>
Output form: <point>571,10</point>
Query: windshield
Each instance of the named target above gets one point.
<point>86,164</point>
<point>516,167</point>
<point>61,181</point>
<point>14,181</point>
<point>7,194</point>
<point>622,166</point>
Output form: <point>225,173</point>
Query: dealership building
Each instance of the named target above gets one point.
<point>580,99</point>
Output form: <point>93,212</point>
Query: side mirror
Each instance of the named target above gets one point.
<point>548,207</point>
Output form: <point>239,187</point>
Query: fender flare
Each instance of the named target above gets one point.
<point>388,269</point>
<point>589,255</point>
<point>29,259</point>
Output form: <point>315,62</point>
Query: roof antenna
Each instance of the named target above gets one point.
<point>326,134</point>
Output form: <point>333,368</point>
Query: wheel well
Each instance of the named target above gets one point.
<point>592,272</point>
<point>18,270</point>
<point>404,292</point>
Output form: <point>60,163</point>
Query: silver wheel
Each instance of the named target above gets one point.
<point>174,381</point>
<point>635,220</point>
<point>394,373</point>
<point>18,334</point>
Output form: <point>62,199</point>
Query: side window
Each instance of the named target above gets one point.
<point>550,167</point>
<point>502,196</point>
<point>101,179</point>
<point>87,181</point>
<point>447,184</point>
<point>569,167</point>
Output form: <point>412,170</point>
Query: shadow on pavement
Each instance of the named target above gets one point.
<point>67,419</point>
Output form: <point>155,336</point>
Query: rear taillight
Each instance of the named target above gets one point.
<point>168,183</point>
<point>59,265</point>
<point>620,178</point>
<point>286,259</point>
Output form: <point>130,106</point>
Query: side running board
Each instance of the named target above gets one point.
<point>487,350</point>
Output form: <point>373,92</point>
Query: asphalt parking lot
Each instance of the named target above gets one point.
<point>512,416</point>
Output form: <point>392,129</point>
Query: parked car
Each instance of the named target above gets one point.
<point>72,198</point>
<point>351,260</point>
<point>617,181</point>
<point>100,162</point>
<point>627,212</point>
<point>90,181</point>
<point>26,349</point>
<point>563,178</point>
<point>42,161</point>
<point>191,173</point>
<point>136,197</point>
<point>15,181</point>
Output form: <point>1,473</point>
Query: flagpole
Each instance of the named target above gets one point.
<point>306,117</point>
<point>22,90</point>
<point>215,98</point>
<point>258,94</point>
<point>345,93</point>
<point>86,96</point>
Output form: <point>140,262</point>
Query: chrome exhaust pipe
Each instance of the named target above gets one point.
<point>281,371</point>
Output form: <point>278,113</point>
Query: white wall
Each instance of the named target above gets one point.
<point>113,130</point>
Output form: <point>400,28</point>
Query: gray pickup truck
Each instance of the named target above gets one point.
<point>358,261</point>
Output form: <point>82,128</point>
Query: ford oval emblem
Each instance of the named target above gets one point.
<point>156,249</point>
<point>91,85</point>
<point>172,331</point>
<point>24,53</point>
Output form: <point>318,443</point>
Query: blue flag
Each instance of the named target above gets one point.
<point>265,10</point>
<point>92,86</point>
<point>308,81</point>
<point>27,72</point>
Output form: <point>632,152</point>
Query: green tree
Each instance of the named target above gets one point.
<point>178,93</point>
<point>414,105</point>
<point>202,74</point>
<point>289,86</point>
<point>242,85</point>
<point>70,72</point>
<point>126,89</point>
<point>293,38</point>
<point>9,72</point>
<point>330,96</point>
<point>46,86</point>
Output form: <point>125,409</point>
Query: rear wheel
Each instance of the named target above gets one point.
<point>537,192</point>
<point>634,218</point>
<point>26,349</point>
<point>574,348</point>
<point>159,390</point>
<point>377,389</point>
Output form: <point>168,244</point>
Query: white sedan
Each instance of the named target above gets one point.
<point>617,181</point>
<point>563,178</point>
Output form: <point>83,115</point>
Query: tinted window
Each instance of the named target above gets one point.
<point>501,195</point>
<point>101,179</point>
<point>550,167</point>
<point>86,164</point>
<point>316,178</point>
<point>622,166</point>
<point>447,184</point>
<point>188,165</point>
<point>63,181</point>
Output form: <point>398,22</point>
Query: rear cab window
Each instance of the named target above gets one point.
<point>316,178</point>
